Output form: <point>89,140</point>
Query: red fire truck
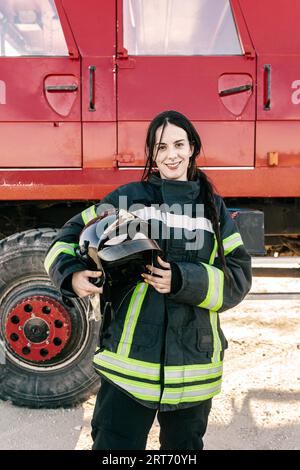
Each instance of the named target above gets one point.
<point>79,83</point>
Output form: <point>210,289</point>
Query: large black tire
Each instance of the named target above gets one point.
<point>46,346</point>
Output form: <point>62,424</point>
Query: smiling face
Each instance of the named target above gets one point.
<point>172,153</point>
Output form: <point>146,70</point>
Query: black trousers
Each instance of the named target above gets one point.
<point>121,423</point>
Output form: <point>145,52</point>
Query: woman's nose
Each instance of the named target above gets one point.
<point>172,153</point>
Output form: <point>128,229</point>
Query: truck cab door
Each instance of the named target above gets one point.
<point>40,115</point>
<point>94,27</point>
<point>195,57</point>
<point>277,43</point>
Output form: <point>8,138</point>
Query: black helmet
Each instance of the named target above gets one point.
<point>120,242</point>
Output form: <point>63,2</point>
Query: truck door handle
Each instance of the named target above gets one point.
<point>267,87</point>
<point>235,90</point>
<point>61,88</point>
<point>92,69</point>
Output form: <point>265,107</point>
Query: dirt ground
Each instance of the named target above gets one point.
<point>257,409</point>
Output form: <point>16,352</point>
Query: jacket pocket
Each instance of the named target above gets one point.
<point>197,343</point>
<point>205,340</point>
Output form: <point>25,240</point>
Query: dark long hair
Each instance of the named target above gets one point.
<point>193,173</point>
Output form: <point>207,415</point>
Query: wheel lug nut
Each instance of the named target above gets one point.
<point>28,308</point>
<point>15,319</point>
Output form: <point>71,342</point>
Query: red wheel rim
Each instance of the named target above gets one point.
<point>38,328</point>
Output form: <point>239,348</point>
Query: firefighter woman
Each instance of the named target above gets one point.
<point>162,352</point>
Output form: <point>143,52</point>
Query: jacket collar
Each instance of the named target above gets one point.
<point>177,190</point>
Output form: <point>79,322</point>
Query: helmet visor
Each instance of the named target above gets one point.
<point>127,248</point>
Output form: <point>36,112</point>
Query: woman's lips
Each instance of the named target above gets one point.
<point>173,166</point>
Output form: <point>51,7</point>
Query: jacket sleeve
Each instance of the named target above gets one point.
<point>204,285</point>
<point>61,260</point>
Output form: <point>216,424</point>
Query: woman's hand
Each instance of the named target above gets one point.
<point>160,279</point>
<point>81,284</point>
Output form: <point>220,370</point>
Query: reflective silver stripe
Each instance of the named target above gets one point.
<point>132,367</point>
<point>185,375</point>
<point>132,315</point>
<point>175,220</point>
<point>232,242</point>
<point>88,214</point>
<point>138,389</point>
<point>179,395</point>
<point>215,291</point>
<point>59,247</point>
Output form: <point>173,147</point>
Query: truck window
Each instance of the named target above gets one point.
<point>176,27</point>
<point>30,28</point>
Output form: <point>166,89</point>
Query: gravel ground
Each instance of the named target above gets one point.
<point>257,409</point>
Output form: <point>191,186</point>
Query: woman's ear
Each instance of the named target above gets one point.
<point>192,149</point>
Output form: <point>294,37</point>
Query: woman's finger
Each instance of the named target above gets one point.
<point>159,272</point>
<point>156,280</point>
<point>163,287</point>
<point>84,292</point>
<point>156,271</point>
<point>93,273</point>
<point>81,284</point>
<point>164,264</point>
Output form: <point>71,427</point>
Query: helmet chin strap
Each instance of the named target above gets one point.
<point>152,259</point>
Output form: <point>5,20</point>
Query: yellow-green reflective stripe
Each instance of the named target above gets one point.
<point>184,375</point>
<point>139,390</point>
<point>217,341</point>
<point>88,214</point>
<point>232,242</point>
<point>214,297</point>
<point>130,367</point>
<point>220,290</point>
<point>207,299</point>
<point>213,253</point>
<point>59,247</point>
<point>132,315</point>
<point>175,401</point>
<point>190,394</point>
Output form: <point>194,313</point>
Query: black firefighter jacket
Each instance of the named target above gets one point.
<point>165,350</point>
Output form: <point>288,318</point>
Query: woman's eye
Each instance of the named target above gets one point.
<point>162,147</point>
